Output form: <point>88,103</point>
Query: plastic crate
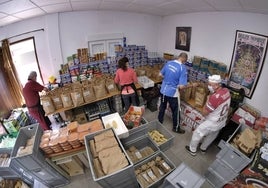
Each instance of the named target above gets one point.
<point>133,110</point>
<point>27,178</point>
<point>218,174</point>
<point>145,82</point>
<point>121,129</point>
<point>141,143</point>
<point>233,157</point>
<point>184,177</point>
<point>214,180</point>
<point>166,159</point>
<point>142,130</point>
<point>50,176</point>
<point>36,159</point>
<point>223,171</point>
<point>124,178</point>
<point>6,171</point>
<point>156,125</point>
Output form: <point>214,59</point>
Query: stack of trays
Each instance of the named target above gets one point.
<point>46,148</point>
<point>81,136</point>
<point>63,141</point>
<point>55,146</point>
<point>73,139</point>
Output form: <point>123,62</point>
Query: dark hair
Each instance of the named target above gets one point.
<point>122,63</point>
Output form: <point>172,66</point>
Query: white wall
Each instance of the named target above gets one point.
<point>41,42</point>
<point>213,36</point>
<point>75,27</point>
<point>64,33</point>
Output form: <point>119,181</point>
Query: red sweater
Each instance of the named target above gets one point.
<point>125,77</point>
<point>31,93</point>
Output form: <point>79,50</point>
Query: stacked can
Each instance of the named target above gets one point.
<point>117,104</point>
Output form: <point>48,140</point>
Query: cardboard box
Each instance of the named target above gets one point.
<point>81,118</point>
<point>72,167</point>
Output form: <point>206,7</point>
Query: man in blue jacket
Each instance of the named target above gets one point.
<point>174,78</point>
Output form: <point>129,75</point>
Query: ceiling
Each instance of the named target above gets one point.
<point>16,10</point>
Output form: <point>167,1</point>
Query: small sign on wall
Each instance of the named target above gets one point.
<point>183,38</point>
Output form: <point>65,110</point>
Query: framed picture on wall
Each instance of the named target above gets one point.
<point>247,61</point>
<point>183,38</point>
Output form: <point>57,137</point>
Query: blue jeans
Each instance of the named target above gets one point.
<point>127,99</point>
<point>173,103</point>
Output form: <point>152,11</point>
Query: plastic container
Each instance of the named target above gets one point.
<point>140,144</point>
<point>214,180</point>
<point>6,170</point>
<point>218,174</point>
<point>184,177</point>
<point>124,178</point>
<point>114,120</point>
<point>166,159</point>
<point>233,157</point>
<point>156,125</point>
<point>50,176</point>
<point>222,170</point>
<point>35,159</point>
<point>131,112</point>
<point>142,130</point>
<point>145,82</point>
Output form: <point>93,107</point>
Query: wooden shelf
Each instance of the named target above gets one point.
<point>72,107</point>
<point>138,86</point>
<point>57,156</point>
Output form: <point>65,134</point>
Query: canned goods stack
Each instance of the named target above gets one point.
<point>117,104</point>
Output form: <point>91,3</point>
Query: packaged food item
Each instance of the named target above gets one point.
<point>151,175</point>
<point>72,127</point>
<point>109,152</point>
<point>147,178</point>
<point>93,149</point>
<point>157,137</point>
<point>142,180</point>
<point>98,168</point>
<point>106,134</point>
<point>114,163</point>
<point>163,166</point>
<point>106,143</point>
<point>158,173</point>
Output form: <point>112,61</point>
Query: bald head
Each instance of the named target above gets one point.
<point>183,57</point>
<point>32,76</point>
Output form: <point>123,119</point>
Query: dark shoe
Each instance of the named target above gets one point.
<point>189,151</point>
<point>180,131</point>
<point>203,151</point>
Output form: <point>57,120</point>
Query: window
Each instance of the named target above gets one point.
<point>25,59</point>
<point>104,43</point>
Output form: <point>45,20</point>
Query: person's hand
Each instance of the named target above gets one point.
<point>46,89</point>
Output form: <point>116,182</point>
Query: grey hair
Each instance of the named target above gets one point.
<point>32,75</point>
<point>183,55</point>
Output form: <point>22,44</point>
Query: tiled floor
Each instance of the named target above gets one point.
<point>176,154</point>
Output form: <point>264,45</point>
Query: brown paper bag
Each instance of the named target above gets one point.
<point>77,97</point>
<point>200,96</point>
<point>111,86</point>
<point>185,94</point>
<point>56,98</point>
<point>100,90</point>
<point>66,100</point>
<point>47,104</point>
<point>88,94</point>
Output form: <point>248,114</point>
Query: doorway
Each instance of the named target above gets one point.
<point>25,59</point>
